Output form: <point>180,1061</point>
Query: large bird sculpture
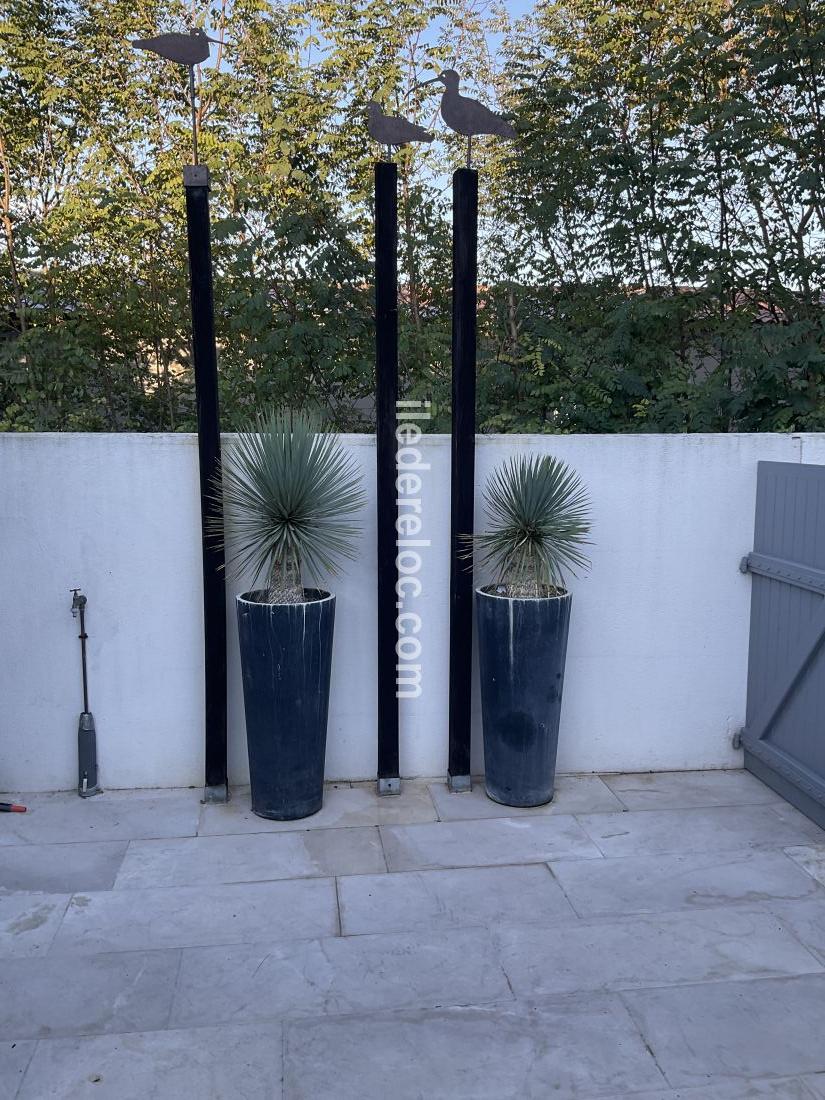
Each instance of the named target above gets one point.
<point>465,115</point>
<point>186,49</point>
<point>393,130</point>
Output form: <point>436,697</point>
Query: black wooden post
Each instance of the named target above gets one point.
<point>465,265</point>
<point>386,372</point>
<point>204,358</point>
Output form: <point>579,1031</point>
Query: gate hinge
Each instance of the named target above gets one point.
<point>745,564</point>
<point>736,740</point>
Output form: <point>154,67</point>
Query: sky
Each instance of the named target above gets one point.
<point>515,8</point>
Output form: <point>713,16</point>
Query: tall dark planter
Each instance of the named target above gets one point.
<point>522,645</point>
<point>286,656</point>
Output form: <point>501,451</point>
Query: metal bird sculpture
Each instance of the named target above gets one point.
<point>465,115</point>
<point>393,130</point>
<point>186,49</point>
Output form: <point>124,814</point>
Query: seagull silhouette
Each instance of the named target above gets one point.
<point>465,115</point>
<point>187,49</point>
<point>392,130</point>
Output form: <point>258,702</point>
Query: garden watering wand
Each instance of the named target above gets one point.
<point>86,738</point>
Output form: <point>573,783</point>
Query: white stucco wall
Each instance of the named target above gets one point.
<point>658,643</point>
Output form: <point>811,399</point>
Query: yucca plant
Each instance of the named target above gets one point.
<point>539,521</point>
<point>288,492</point>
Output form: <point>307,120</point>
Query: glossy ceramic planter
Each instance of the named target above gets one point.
<point>522,646</point>
<point>286,656</point>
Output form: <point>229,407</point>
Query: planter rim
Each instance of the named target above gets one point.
<point>243,597</point>
<point>565,595</point>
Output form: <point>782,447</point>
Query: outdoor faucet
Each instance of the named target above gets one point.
<point>87,784</point>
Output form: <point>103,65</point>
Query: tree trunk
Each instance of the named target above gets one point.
<point>285,580</point>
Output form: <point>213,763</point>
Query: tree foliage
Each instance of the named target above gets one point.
<point>652,243</point>
<point>671,181</point>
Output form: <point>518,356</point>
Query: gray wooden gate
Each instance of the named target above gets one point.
<point>784,735</point>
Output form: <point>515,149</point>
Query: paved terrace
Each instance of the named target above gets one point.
<point>652,936</point>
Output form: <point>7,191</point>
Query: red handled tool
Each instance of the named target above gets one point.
<point>11,808</point>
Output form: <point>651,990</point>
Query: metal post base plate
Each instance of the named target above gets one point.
<point>389,786</point>
<point>458,783</point>
<point>195,175</point>
<point>217,794</point>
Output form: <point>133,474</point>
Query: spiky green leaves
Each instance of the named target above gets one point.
<point>539,521</point>
<point>288,492</point>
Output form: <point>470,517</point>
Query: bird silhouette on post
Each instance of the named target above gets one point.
<point>393,130</point>
<point>186,49</point>
<point>467,116</point>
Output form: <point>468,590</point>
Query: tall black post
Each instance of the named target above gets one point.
<point>196,183</point>
<point>386,371</point>
<point>465,269</point>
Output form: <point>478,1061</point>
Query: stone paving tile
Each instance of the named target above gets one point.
<point>665,883</point>
<point>198,1064</point>
<point>811,858</point>
<point>269,947</point>
<point>575,794</point>
<point>788,1088</point>
<point>116,815</point>
<point>60,868</point>
<point>713,829</point>
<point>353,974</point>
<point>806,920</point>
<point>791,816</point>
<point>251,857</point>
<point>485,843</point>
<point>686,790</point>
<point>343,807</point>
<point>28,922</point>
<point>565,1047</point>
<point>709,945</point>
<point>53,996</point>
<point>416,901</point>
<point>734,1029</point>
<point>190,916</point>
<point>14,1057</point>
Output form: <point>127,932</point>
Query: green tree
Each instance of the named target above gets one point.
<point>651,251</point>
<point>94,136</point>
<point>666,174</point>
